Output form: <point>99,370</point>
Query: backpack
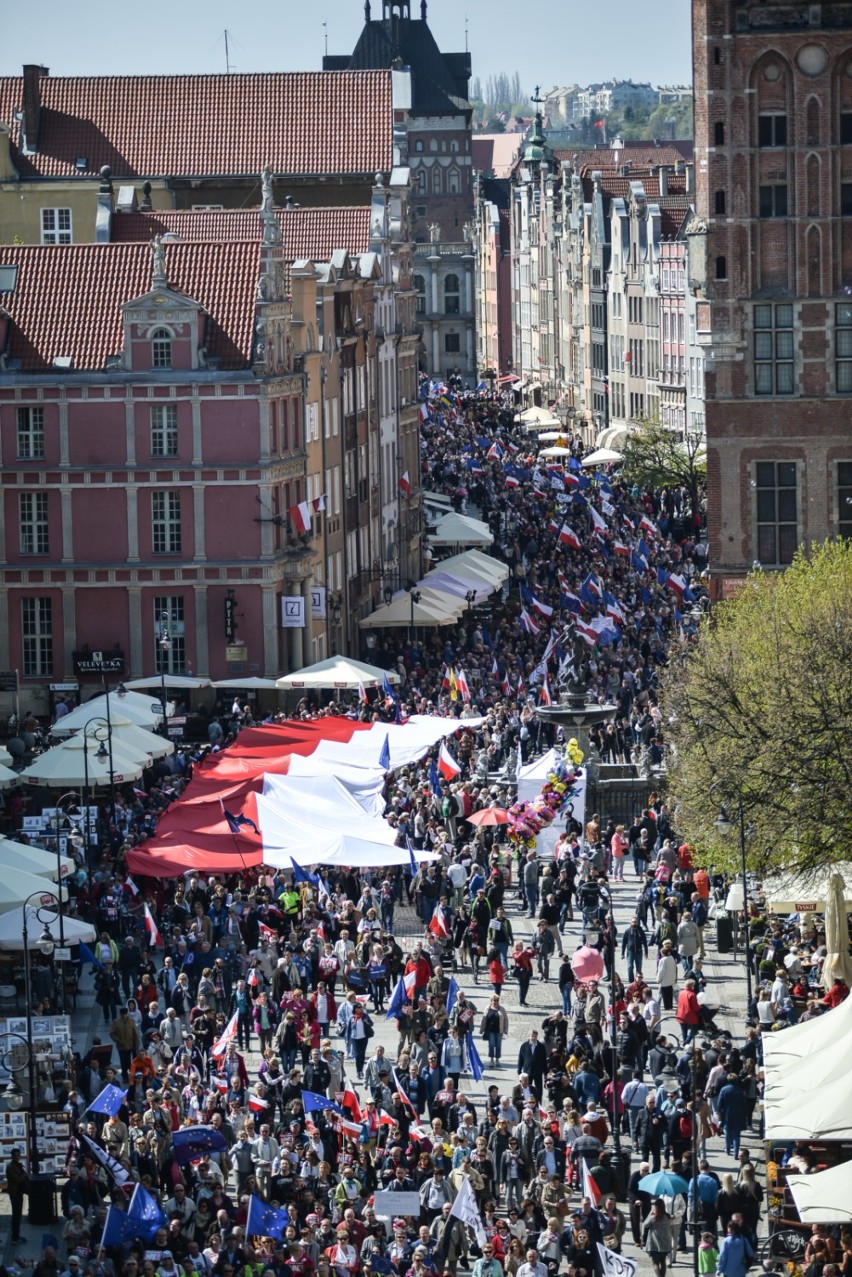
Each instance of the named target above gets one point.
<point>684,1126</point>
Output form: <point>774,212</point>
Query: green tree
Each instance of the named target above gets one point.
<point>656,457</point>
<point>758,711</point>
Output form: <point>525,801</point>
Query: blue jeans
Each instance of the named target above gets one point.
<point>503,950</point>
<point>495,1045</point>
<point>634,964</point>
<point>732,1141</point>
<point>565,915</point>
<point>566,999</point>
<point>532,899</point>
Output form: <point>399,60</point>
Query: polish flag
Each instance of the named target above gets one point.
<point>462,685</point>
<point>300,517</point>
<point>256,1103</point>
<point>647,526</point>
<point>597,519</point>
<point>229,1033</point>
<point>219,1084</point>
<point>349,1100</point>
<point>131,886</point>
<point>506,686</point>
<point>543,609</point>
<point>318,504</point>
<point>527,623</point>
<point>511,481</point>
<point>347,1128</point>
<point>385,1119</point>
<point>447,765</point>
<point>268,933</point>
<point>403,1097</point>
<point>586,632</point>
<point>438,924</point>
<point>405,484</point>
<point>154,938</point>
<point>615,610</point>
<point>362,694</point>
<point>621,548</point>
<point>590,1188</point>
<point>568,536</point>
<point>545,698</point>
<point>495,669</point>
<point>321,932</point>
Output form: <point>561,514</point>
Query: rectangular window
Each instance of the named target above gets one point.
<point>846,199</point>
<point>452,343</point>
<point>843,347</point>
<point>32,522</point>
<point>56,226</point>
<point>719,133</point>
<point>719,203</point>
<point>165,521</point>
<point>30,434</point>
<point>844,498</point>
<point>773,200</point>
<point>777,512</point>
<point>164,435</point>
<point>772,130</point>
<point>169,634</point>
<point>773,349</point>
<point>37,637</point>
<point>161,350</point>
<point>846,127</point>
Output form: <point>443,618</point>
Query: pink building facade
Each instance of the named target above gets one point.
<point>151,446</point>
<point>673,338</point>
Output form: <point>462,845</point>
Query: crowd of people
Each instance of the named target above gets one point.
<point>261,993</point>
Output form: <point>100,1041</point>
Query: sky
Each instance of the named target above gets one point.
<point>553,43</point>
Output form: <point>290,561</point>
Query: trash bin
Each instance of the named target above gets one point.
<point>724,933</point>
<point>42,1199</point>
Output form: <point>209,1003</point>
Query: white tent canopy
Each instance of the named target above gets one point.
<point>555,452</point>
<point>129,738</point>
<point>64,766</point>
<point>474,565</point>
<point>460,529</point>
<point>801,1041</point>
<point>12,928</point>
<point>813,1099</point>
<point>442,583</point>
<point>805,893</point>
<point>337,672</point>
<point>537,418</point>
<point>145,711</point>
<point>8,778</point>
<point>246,684</point>
<point>602,457</point>
<point>402,611</point>
<point>34,860</point>
<point>182,681</point>
<point>825,1198</point>
<point>5,756</point>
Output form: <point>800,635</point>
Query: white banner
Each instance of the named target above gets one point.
<point>614,1265</point>
<point>318,602</point>
<point>292,612</point>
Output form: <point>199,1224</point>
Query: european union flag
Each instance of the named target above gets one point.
<point>193,1142</point>
<point>311,1102</point>
<point>302,875</point>
<point>140,1221</point>
<point>412,860</point>
<point>264,1220</point>
<point>473,1058</point>
<point>434,778</point>
<point>384,756</point>
<point>236,823</point>
<point>109,1101</point>
<point>645,595</point>
<point>86,955</point>
<point>387,687</point>
<point>452,994</point>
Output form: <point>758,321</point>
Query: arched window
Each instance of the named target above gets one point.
<point>420,299</point>
<point>418,145</point>
<point>421,181</point>
<point>161,348</point>
<point>454,146</point>
<point>451,295</point>
<point>436,180</point>
<point>433,144</point>
<point>454,182</point>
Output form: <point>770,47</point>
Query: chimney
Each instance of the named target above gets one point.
<point>32,106</point>
<point>663,174</point>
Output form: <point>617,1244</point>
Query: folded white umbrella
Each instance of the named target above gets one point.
<point>64,766</point>
<point>8,778</point>
<point>16,886</point>
<point>132,739</point>
<point>185,681</point>
<point>74,930</point>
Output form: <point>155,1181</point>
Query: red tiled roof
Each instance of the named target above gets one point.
<point>68,299</point>
<point>314,233</point>
<point>613,184</point>
<point>635,153</point>
<point>330,122</point>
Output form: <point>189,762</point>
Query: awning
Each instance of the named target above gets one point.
<point>459,529</point>
<point>145,711</point>
<point>475,566</point>
<point>403,611</point>
<point>804,893</point>
<point>602,457</point>
<point>825,1198</point>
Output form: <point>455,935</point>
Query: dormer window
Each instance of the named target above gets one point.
<point>161,348</point>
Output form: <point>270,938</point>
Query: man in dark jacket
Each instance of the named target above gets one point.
<point>634,946</point>
<point>532,1060</point>
<point>650,1129</point>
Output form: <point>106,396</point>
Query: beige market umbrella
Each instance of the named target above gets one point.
<point>16,886</point>
<point>64,766</point>
<point>838,964</point>
<point>133,707</point>
<point>34,860</point>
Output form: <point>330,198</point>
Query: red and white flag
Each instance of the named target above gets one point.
<point>403,1097</point>
<point>155,940</point>
<point>568,536</point>
<point>257,1103</point>
<point>405,484</point>
<point>229,1033</point>
<point>462,685</point>
<point>349,1100</point>
<point>346,1127</point>
<point>597,519</point>
<point>621,548</point>
<point>585,632</point>
<point>545,698</point>
<point>646,525</point>
<point>511,481</point>
<point>447,765</point>
<point>590,1188</point>
<point>131,886</point>
<point>438,924</point>
<point>318,504</point>
<point>300,517</point>
<point>362,694</point>
<point>219,1083</point>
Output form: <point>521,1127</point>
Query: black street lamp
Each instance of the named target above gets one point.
<point>165,641</point>
<point>46,945</point>
<point>414,595</point>
<point>103,755</point>
<point>724,825</point>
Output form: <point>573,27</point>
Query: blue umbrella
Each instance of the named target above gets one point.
<point>663,1183</point>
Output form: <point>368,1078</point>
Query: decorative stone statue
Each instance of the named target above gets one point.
<point>434,233</point>
<point>158,261</point>
<point>266,191</point>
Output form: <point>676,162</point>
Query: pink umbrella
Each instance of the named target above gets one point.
<point>587,964</point>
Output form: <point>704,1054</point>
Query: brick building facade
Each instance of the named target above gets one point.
<point>773,136</point>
